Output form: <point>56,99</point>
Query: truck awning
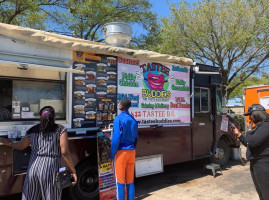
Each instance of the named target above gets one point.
<point>25,66</point>
<point>76,44</point>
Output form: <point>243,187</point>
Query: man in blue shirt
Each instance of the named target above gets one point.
<point>122,153</point>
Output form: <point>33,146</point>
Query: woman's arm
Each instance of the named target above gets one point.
<point>260,135</point>
<point>67,156</point>
<point>23,144</point>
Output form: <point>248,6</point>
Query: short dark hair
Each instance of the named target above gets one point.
<point>259,116</point>
<point>126,103</point>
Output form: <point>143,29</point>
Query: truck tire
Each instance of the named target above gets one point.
<point>87,187</point>
<point>221,154</point>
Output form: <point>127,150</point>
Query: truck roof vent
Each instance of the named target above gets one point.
<point>117,34</point>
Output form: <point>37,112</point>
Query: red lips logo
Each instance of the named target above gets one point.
<point>156,81</point>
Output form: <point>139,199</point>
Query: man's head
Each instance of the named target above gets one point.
<point>254,107</point>
<point>256,113</point>
<point>124,104</point>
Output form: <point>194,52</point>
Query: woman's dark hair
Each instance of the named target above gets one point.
<point>126,103</point>
<point>47,117</point>
<point>259,116</point>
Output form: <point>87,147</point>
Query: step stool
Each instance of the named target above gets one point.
<point>213,167</point>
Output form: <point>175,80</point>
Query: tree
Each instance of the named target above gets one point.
<point>84,18</point>
<point>79,18</point>
<point>148,41</point>
<point>230,34</point>
<point>27,13</point>
<point>252,80</point>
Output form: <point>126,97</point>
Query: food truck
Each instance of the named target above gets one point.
<point>177,103</point>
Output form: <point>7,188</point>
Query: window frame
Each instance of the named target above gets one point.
<point>219,90</point>
<point>209,102</point>
<point>60,81</point>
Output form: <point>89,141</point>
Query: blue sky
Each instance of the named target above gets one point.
<point>161,7</point>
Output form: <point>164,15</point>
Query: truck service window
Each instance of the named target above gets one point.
<point>24,98</point>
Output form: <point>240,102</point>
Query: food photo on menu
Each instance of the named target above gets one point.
<point>91,75</point>
<point>91,88</point>
<point>90,115</point>
<point>91,102</point>
<point>111,61</point>
<point>111,75</point>
<point>101,95</point>
<point>79,109</point>
<point>112,89</point>
<point>101,81</point>
<point>101,67</point>
<point>79,80</point>
<point>78,122</point>
<point>79,94</point>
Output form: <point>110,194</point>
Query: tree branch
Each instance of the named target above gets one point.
<point>89,31</point>
<point>248,75</point>
<point>244,65</point>
<point>94,32</point>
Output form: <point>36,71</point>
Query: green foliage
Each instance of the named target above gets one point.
<point>241,120</point>
<point>84,18</point>
<point>253,80</point>
<point>27,13</point>
<point>80,18</point>
<point>230,34</point>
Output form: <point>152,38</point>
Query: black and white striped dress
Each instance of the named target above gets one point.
<point>44,163</point>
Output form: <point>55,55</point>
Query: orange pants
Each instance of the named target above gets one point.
<point>124,166</point>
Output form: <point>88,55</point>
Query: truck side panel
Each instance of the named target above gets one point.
<point>12,184</point>
<point>173,142</point>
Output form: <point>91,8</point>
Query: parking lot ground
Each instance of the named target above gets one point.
<point>186,181</point>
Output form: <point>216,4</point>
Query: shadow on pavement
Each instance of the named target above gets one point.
<point>175,174</point>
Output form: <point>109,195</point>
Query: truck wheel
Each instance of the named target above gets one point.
<point>87,187</point>
<point>222,153</point>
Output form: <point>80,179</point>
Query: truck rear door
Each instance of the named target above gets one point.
<point>202,122</point>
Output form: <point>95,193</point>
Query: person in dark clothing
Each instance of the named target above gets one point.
<point>49,143</point>
<point>257,143</point>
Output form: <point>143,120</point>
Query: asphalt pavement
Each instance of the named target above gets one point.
<point>186,181</point>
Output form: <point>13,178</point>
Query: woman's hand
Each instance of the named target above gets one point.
<point>74,175</point>
<point>5,141</point>
<point>249,125</point>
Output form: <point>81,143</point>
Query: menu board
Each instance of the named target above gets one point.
<point>159,92</point>
<point>95,92</point>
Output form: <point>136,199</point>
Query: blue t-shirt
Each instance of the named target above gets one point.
<point>124,133</point>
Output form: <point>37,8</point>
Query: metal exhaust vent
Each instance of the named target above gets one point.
<point>117,34</point>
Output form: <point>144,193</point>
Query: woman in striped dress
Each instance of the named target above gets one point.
<point>49,142</point>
